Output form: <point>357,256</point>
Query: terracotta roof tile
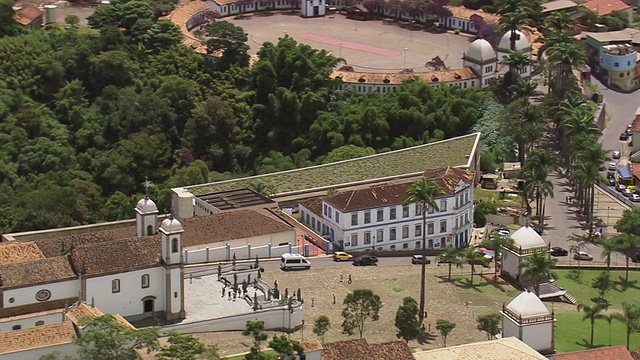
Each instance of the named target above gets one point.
<point>313,205</point>
<point>16,252</point>
<point>181,15</point>
<point>36,271</point>
<point>614,352</point>
<point>59,245</point>
<point>117,256</point>
<point>604,7</point>
<point>27,14</point>
<point>373,197</point>
<point>80,313</point>
<point>435,77</point>
<point>462,12</point>
<point>394,350</point>
<point>225,226</point>
<point>311,345</point>
<point>31,315</point>
<point>448,178</point>
<point>37,337</point>
<point>357,349</point>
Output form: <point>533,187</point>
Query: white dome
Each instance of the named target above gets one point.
<point>521,41</point>
<point>480,50</point>
<point>171,225</point>
<point>528,305</point>
<point>146,206</point>
<point>527,238</point>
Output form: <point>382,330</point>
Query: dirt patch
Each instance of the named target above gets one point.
<point>455,301</point>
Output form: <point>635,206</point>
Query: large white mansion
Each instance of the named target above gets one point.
<point>375,217</point>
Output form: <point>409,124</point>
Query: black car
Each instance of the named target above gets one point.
<point>611,180</point>
<point>624,136</point>
<point>558,251</point>
<point>365,260</point>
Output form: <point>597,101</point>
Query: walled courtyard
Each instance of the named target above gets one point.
<point>368,46</point>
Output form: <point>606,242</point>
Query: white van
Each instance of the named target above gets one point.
<point>294,261</point>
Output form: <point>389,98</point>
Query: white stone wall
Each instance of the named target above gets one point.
<point>29,322</point>
<point>538,336</point>
<point>27,295</point>
<point>66,349</point>
<point>127,302</point>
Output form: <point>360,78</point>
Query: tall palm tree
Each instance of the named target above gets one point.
<point>424,193</point>
<point>560,21</point>
<point>474,257</point>
<point>630,317</point>
<point>563,59</point>
<point>538,267</point>
<point>524,118</point>
<point>451,256</point>
<point>608,246</point>
<point>497,242</point>
<point>626,244</point>
<point>511,22</point>
<point>516,60</point>
<point>592,313</point>
<point>536,172</point>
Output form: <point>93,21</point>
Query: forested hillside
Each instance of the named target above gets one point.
<point>87,115</point>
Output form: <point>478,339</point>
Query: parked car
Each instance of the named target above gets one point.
<point>558,251</point>
<point>615,155</point>
<point>365,260</point>
<point>581,255</point>
<point>502,231</point>
<point>611,174</point>
<point>419,259</point>
<point>342,256</point>
<point>627,192</point>
<point>611,181</point>
<point>538,230</point>
<point>624,136</point>
<point>621,187</point>
<point>635,197</point>
<point>612,166</point>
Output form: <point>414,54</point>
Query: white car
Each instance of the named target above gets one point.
<point>615,155</point>
<point>612,166</point>
<point>635,197</point>
<point>581,255</point>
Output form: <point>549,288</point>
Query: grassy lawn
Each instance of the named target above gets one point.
<point>269,353</point>
<point>573,333</point>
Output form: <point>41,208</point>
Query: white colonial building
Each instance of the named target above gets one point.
<point>527,319</point>
<point>375,217</point>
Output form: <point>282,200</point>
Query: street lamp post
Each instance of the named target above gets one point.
<point>405,57</point>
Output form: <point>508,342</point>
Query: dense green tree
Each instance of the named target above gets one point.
<point>286,348</point>
<point>186,347</point>
<point>444,327</point>
<point>361,305</point>
<point>255,329</point>
<point>106,338</point>
<point>320,327</point>
<point>229,40</point>
<point>8,26</point>
<point>490,324</point>
<point>407,320</point>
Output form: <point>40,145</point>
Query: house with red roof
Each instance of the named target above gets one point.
<point>29,16</point>
<point>606,7</point>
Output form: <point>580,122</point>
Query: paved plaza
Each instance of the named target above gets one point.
<point>368,46</point>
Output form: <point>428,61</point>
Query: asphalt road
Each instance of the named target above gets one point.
<point>327,263</point>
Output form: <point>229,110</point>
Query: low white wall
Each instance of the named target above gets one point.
<point>274,319</point>
<point>65,349</point>
<point>29,322</point>
<point>246,252</point>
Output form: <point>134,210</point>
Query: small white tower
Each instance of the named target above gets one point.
<point>522,45</point>
<point>482,60</point>
<point>146,217</point>
<point>530,321</point>
<point>171,231</point>
<point>526,241</point>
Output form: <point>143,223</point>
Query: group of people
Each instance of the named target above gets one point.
<point>238,292</point>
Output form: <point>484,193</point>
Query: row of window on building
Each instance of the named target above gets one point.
<point>18,326</point>
<point>392,233</point>
<point>144,282</point>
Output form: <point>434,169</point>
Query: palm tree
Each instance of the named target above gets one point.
<point>626,244</point>
<point>525,118</point>
<point>424,193</point>
<point>497,242</point>
<point>630,317</point>
<point>592,313</point>
<point>451,256</point>
<point>474,257</point>
<point>512,22</point>
<point>537,267</point>
<point>560,21</point>
<point>608,248</point>
<point>516,60</point>
<point>536,172</point>
<point>563,59</point>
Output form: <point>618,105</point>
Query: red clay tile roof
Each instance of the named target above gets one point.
<point>225,226</point>
<point>369,198</point>
<point>36,271</point>
<point>613,352</point>
<point>37,337</point>
<point>27,14</point>
<point>311,345</point>
<point>16,252</point>
<point>55,246</point>
<point>448,178</point>
<point>80,313</point>
<point>357,349</point>
<point>117,256</point>
<point>394,350</point>
<point>604,7</point>
<point>313,205</point>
